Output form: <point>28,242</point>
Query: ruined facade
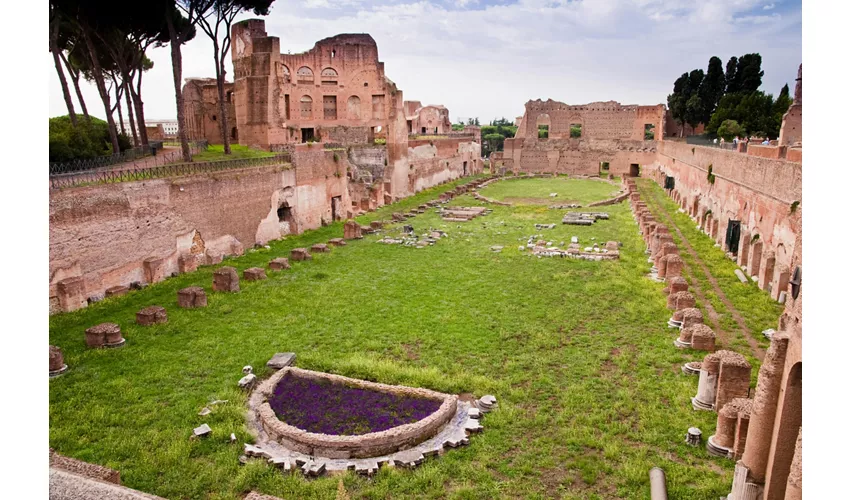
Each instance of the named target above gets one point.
<point>202,110</point>
<point>425,120</point>
<point>293,98</point>
<point>577,139</point>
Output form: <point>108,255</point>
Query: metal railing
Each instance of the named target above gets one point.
<point>105,176</point>
<point>147,154</point>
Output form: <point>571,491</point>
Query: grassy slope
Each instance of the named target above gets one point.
<point>578,353</point>
<point>535,191</point>
<point>237,152</point>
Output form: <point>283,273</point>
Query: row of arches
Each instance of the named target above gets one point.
<point>304,75</point>
<point>329,106</point>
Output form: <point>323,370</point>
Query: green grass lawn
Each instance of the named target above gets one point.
<point>536,191</point>
<point>578,354</point>
<point>237,152</point>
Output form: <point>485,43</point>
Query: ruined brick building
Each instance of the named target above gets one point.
<point>324,108</point>
<point>577,139</point>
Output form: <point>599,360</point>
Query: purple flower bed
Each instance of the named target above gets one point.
<point>320,406</point>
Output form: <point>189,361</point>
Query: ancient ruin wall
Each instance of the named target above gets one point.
<point>203,113</point>
<point>757,191</point>
<point>441,160</point>
<point>104,233</point>
<point>610,132</point>
<point>339,82</point>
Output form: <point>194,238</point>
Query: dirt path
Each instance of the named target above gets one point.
<point>758,352</point>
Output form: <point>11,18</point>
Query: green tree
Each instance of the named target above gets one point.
<point>749,72</point>
<point>730,129</point>
<point>88,139</point>
<point>731,68</point>
<point>754,111</point>
<point>712,88</point>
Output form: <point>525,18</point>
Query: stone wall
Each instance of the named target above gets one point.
<point>757,191</point>
<point>339,82</point>
<point>577,156</point>
<point>104,233</point>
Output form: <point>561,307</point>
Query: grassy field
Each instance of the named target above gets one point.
<point>536,191</point>
<point>578,353</point>
<point>237,152</point>
<point>758,310</point>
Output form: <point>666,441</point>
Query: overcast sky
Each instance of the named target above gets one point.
<point>486,58</point>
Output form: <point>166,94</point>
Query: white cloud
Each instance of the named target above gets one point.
<point>488,60</point>
<point>769,6</point>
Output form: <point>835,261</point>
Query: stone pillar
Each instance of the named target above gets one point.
<point>733,380</point>
<point>764,408</point>
<point>744,249</point>
<point>783,274</point>
<point>352,230</point>
<point>57,361</point>
<point>104,335</point>
<point>320,248</point>
<point>794,487</point>
<point>707,387</point>
<point>71,293</point>
<point>226,279</point>
<point>703,338</point>
<point>661,266</point>
<point>691,316</point>
<point>254,274</point>
<point>191,297</point>
<point>151,315</point>
<point>674,266</point>
<point>766,271</point>
<point>298,254</point>
<point>187,263</point>
<point>677,284</point>
<point>755,259</point>
<point>279,264</point>
<point>154,269</point>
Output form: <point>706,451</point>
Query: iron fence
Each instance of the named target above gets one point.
<point>146,153</point>
<point>105,176</point>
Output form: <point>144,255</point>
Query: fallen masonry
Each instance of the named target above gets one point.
<point>583,218</point>
<point>462,214</point>
<point>543,248</point>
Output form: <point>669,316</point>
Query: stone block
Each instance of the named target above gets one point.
<point>320,248</point>
<point>104,335</point>
<point>226,279</point>
<point>703,338</point>
<point>254,274</point>
<point>117,290</point>
<point>188,263</point>
<point>337,242</point>
<point>377,224</point>
<point>57,361</point>
<point>151,315</point>
<point>191,297</point>
<point>71,293</point>
<point>353,230</point>
<point>281,360</point>
<point>691,316</point>
<point>279,264</point>
<point>155,269</point>
<point>298,254</point>
<point>213,257</point>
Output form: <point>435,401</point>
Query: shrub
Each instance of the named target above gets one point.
<point>85,141</point>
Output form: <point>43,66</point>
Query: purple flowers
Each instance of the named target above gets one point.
<point>320,406</point>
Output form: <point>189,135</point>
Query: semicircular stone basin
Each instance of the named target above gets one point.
<point>333,416</point>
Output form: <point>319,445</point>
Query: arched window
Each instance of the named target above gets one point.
<point>329,76</point>
<point>306,107</point>
<point>305,75</point>
<point>284,73</point>
<point>353,108</point>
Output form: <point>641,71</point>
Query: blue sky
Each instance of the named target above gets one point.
<point>487,58</point>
